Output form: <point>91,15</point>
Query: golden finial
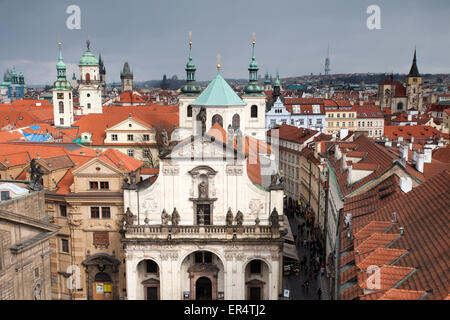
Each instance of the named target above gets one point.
<point>253,39</point>
<point>190,38</point>
<point>218,61</point>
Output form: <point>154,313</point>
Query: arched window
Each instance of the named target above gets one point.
<point>61,107</point>
<point>236,122</point>
<point>400,106</point>
<point>254,111</point>
<point>88,77</point>
<point>217,118</point>
<point>189,111</point>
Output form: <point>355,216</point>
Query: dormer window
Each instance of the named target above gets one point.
<point>114,137</point>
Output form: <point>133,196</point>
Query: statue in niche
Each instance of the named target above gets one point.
<point>239,218</point>
<point>273,219</point>
<point>203,189</point>
<point>175,217</point>
<point>229,217</point>
<point>165,217</point>
<point>201,217</point>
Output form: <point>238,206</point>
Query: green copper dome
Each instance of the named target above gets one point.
<point>218,93</point>
<point>88,59</point>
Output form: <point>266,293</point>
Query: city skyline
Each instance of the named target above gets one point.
<point>288,39</point>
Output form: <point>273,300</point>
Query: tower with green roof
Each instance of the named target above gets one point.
<point>90,85</point>
<point>62,95</point>
<point>189,92</point>
<point>255,100</point>
<point>267,82</point>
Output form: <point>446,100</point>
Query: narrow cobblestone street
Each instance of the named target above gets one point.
<point>295,283</point>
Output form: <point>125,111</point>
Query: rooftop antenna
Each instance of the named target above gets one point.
<point>327,61</point>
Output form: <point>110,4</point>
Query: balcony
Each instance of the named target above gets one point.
<point>160,232</point>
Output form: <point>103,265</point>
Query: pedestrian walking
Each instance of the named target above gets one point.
<point>322,270</point>
<point>319,293</point>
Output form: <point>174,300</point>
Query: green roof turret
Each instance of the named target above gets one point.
<point>190,87</point>
<point>61,83</point>
<point>253,88</point>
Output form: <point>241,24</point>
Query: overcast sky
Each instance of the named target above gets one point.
<point>291,36</point>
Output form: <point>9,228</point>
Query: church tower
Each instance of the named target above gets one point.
<point>414,87</point>
<point>126,75</point>
<point>62,96</point>
<point>267,82</point>
<point>255,101</point>
<point>89,89</point>
<point>190,92</point>
<point>102,70</point>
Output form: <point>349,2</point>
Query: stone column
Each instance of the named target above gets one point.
<point>132,278</point>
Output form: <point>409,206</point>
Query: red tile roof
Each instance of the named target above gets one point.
<point>293,134</point>
<point>421,260</point>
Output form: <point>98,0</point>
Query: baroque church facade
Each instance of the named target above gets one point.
<point>210,225</point>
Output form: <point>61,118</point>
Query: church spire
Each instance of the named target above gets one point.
<point>414,72</point>
<point>253,87</point>
<point>190,87</point>
<point>61,82</point>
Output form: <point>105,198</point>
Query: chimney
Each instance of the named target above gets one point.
<point>420,162</point>
<point>349,175</point>
<point>404,152</point>
<point>427,153</point>
<point>405,184</point>
<point>344,162</point>
<point>414,155</point>
<point>409,117</point>
<point>394,215</point>
<point>402,230</point>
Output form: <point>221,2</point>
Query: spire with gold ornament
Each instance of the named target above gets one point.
<point>253,88</point>
<point>190,87</point>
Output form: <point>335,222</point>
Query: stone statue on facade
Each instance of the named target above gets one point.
<point>133,178</point>
<point>273,219</point>
<point>175,217</point>
<point>203,190</point>
<point>125,184</point>
<point>201,116</point>
<point>165,139</point>
<point>128,217</point>
<point>36,174</point>
<point>165,217</point>
<point>273,179</point>
<point>239,218</point>
<point>229,217</point>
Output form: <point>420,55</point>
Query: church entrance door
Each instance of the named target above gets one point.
<point>203,289</point>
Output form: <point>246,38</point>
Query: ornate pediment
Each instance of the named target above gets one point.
<point>203,169</point>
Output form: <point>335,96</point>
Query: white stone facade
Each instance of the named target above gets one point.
<point>62,101</point>
<point>90,90</point>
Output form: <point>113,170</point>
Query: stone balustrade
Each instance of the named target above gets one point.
<point>201,231</point>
